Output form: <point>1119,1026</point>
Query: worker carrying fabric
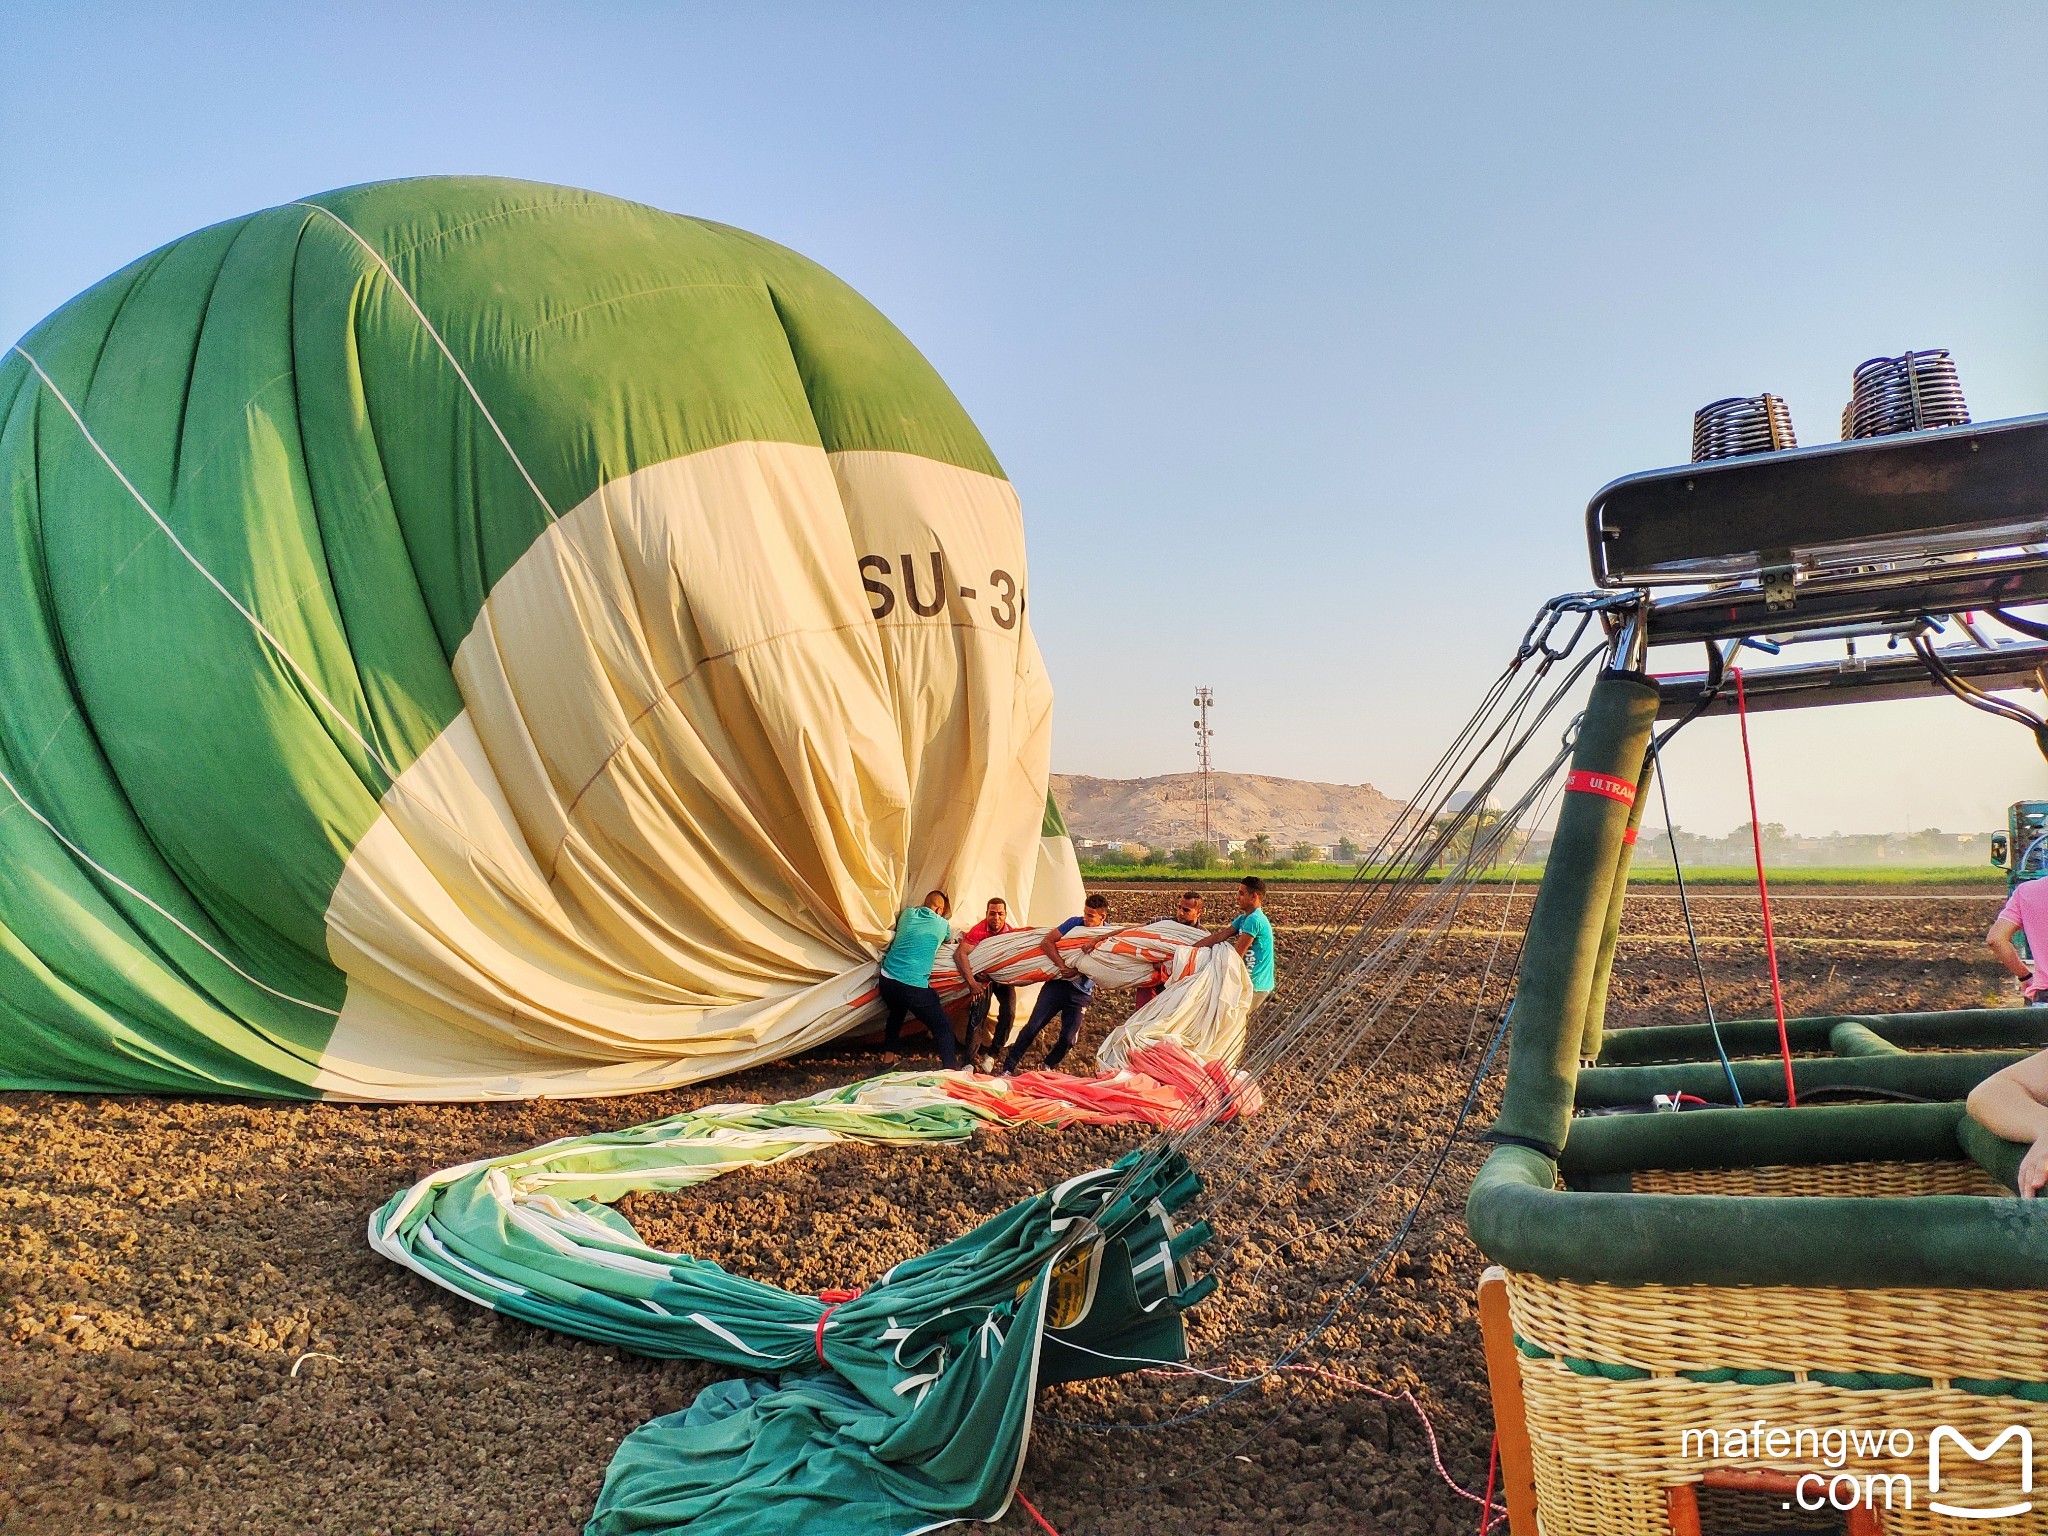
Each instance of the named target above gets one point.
<point>2026,909</point>
<point>981,1049</point>
<point>1250,933</point>
<point>1068,993</point>
<point>906,980</point>
<point>1188,910</point>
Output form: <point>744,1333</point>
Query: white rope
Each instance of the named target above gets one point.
<point>199,565</point>
<point>406,294</point>
<point>85,858</point>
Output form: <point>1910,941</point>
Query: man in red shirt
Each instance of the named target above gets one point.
<point>980,1052</point>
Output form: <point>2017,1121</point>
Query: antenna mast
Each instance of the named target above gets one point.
<point>1203,699</point>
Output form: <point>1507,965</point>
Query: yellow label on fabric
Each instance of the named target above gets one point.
<point>1072,1289</point>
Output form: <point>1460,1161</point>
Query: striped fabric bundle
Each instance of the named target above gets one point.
<point>1205,994</point>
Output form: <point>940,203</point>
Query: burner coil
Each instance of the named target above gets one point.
<point>1741,424</point>
<point>1909,393</point>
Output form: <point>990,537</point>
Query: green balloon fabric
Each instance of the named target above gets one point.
<point>465,638</point>
<point>533,1235</point>
<point>923,1414</point>
<point>876,1413</point>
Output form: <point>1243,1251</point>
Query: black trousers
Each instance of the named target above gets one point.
<point>1006,1016</point>
<point>1061,997</point>
<point>901,1001</point>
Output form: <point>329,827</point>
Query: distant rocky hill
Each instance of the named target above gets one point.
<point>1167,811</point>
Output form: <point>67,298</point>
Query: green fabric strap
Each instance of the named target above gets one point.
<point>1849,1038</point>
<point>1562,947</point>
<point>1853,1381</point>
<point>1995,1155</point>
<point>1928,1075</point>
<point>1763,1136</point>
<point>1610,934</point>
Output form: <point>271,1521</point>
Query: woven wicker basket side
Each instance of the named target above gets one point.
<point>1957,1177</point>
<point>1607,1441</point>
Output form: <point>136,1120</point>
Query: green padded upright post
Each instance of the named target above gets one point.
<point>1562,948</point>
<point>1603,967</point>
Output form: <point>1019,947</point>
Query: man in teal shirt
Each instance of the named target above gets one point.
<point>1250,933</point>
<point>906,980</point>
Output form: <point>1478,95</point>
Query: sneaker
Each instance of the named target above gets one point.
<point>986,1065</point>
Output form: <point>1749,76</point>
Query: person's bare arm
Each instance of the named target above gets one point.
<point>960,953</point>
<point>1999,942</point>
<point>1051,947</point>
<point>2014,1104</point>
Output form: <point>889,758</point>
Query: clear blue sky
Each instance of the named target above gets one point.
<point>1304,331</point>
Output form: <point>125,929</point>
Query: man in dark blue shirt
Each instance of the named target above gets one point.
<point>1066,994</point>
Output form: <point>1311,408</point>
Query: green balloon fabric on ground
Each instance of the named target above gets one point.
<point>532,1234</point>
<point>924,1415</point>
<point>898,1409</point>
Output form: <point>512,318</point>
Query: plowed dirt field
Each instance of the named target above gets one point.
<point>198,1339</point>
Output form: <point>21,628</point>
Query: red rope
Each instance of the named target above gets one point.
<point>1031,1510</point>
<point>833,1301</point>
<point>1763,891</point>
<point>1492,1468</point>
<point>1404,1396</point>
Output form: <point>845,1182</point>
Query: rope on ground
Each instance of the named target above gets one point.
<point>1405,1395</point>
<point>1032,1510</point>
<point>1436,1457</point>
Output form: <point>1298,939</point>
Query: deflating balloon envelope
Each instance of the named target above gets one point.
<point>469,638</point>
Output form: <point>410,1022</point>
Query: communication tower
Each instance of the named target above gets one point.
<point>1203,699</point>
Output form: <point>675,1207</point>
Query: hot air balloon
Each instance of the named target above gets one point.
<point>467,638</point>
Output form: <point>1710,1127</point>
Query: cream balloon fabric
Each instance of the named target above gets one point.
<point>696,776</point>
<point>1203,1006</point>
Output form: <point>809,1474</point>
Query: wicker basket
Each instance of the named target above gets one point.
<point>1607,1405</point>
<point>1959,1177</point>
